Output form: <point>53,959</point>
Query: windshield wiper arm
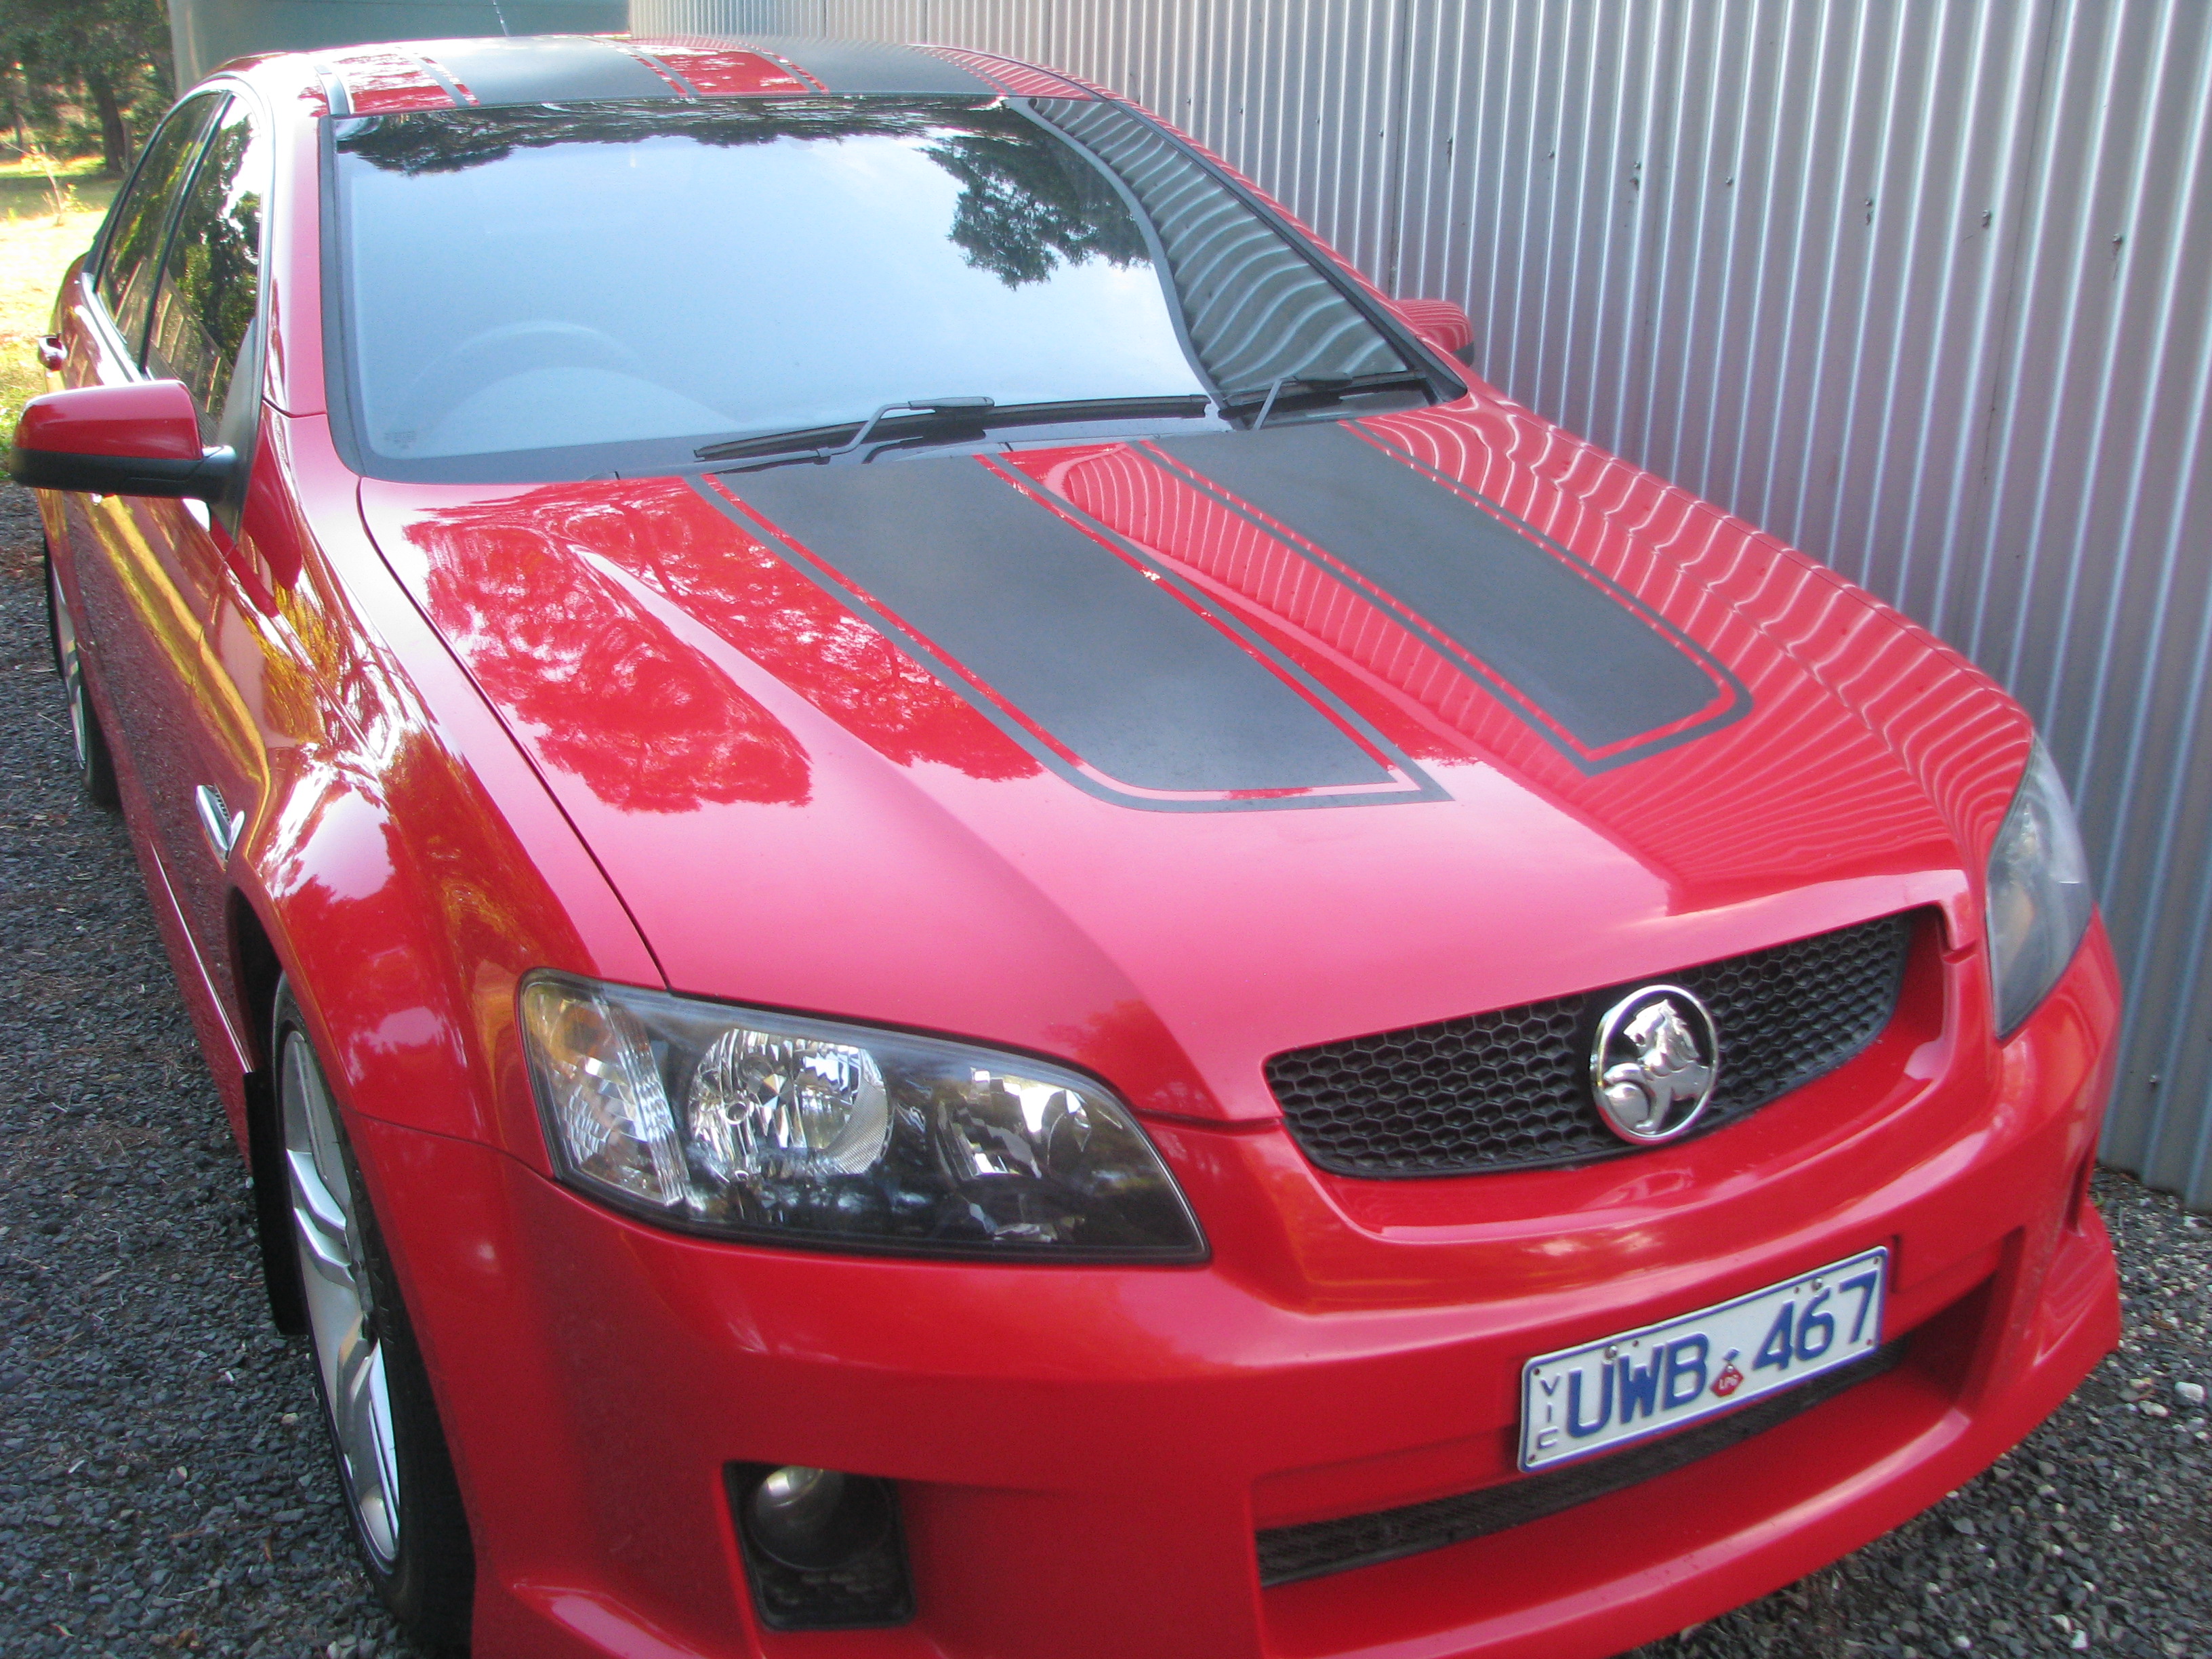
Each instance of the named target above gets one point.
<point>1332,387</point>
<point>1173,406</point>
<point>970,413</point>
<point>816,439</point>
<point>971,408</point>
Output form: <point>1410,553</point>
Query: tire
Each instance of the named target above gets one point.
<point>401,1498</point>
<point>95,765</point>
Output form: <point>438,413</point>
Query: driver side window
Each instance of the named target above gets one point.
<point>132,247</point>
<point>211,286</point>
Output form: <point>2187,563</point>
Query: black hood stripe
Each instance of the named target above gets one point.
<point>1599,673</point>
<point>863,66</point>
<point>1107,666</point>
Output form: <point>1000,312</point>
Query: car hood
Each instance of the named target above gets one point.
<point>1165,756</point>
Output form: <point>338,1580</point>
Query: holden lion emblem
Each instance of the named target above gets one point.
<point>1653,1066</point>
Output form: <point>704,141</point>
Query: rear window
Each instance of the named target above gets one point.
<point>549,291</point>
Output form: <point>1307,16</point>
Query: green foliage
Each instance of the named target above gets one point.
<point>213,272</point>
<point>1030,204</point>
<point>84,75</point>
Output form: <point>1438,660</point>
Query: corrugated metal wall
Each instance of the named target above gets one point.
<point>1924,285</point>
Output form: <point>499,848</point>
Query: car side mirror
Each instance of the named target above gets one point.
<point>1443,325</point>
<point>139,440</point>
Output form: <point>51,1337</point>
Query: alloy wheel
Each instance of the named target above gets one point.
<point>341,1307</point>
<point>65,656</point>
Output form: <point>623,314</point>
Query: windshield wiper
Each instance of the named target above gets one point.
<point>925,417</point>
<point>816,439</point>
<point>1311,389</point>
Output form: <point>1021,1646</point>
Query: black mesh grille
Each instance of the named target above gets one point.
<point>1289,1553</point>
<point>1510,1090</point>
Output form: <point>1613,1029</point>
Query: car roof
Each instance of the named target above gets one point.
<point>420,75</point>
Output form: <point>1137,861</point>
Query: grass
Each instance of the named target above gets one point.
<point>45,223</point>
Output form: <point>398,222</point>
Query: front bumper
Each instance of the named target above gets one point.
<point>1085,1455</point>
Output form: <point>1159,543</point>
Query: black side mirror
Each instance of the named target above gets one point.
<point>142,440</point>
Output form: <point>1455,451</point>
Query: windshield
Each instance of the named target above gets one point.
<point>549,291</point>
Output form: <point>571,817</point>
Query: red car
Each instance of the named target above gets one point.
<point>950,909</point>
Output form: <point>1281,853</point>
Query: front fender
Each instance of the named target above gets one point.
<point>404,859</point>
<point>402,865</point>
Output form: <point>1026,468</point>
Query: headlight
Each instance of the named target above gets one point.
<point>768,1126</point>
<point>2039,900</point>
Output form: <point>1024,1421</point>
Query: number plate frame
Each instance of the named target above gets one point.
<point>1637,1379</point>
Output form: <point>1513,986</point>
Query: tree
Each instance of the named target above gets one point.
<point>110,57</point>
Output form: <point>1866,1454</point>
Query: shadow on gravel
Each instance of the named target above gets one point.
<point>164,1486</point>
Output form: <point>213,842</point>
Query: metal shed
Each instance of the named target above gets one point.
<point>205,32</point>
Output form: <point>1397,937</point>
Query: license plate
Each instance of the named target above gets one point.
<point>1589,1399</point>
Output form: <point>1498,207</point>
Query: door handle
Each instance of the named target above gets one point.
<point>221,825</point>
<point>52,354</point>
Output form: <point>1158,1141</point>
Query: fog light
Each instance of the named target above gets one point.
<point>823,1549</point>
<point>808,1518</point>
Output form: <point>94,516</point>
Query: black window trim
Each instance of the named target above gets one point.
<point>161,260</point>
<point>337,346</point>
<point>254,112</point>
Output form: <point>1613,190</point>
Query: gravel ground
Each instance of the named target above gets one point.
<point>164,1483</point>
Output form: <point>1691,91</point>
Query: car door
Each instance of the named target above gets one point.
<point>103,328</point>
<point>165,560</point>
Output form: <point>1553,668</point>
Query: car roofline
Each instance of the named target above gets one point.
<point>494,71</point>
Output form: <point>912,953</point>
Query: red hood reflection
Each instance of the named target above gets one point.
<point>547,635</point>
<point>855,777</point>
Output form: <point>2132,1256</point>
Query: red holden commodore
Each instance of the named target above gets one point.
<point>950,909</point>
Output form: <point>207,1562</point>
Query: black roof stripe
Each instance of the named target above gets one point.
<point>462,99</point>
<point>659,66</point>
<point>547,69</point>
<point>862,66</point>
<point>561,69</point>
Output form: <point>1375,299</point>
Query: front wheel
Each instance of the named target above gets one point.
<point>95,767</point>
<point>400,1494</point>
